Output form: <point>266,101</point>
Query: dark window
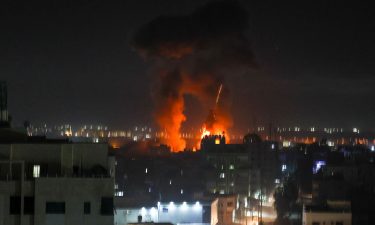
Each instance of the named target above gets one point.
<point>107,206</point>
<point>339,223</point>
<point>229,204</point>
<point>315,223</point>
<point>15,205</point>
<point>28,205</point>
<point>55,207</point>
<point>86,207</point>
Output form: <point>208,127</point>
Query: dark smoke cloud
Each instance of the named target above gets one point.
<point>219,27</point>
<point>192,54</point>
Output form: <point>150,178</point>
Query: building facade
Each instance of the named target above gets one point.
<point>55,183</point>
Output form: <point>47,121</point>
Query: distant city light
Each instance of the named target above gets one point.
<point>318,165</point>
<point>330,143</point>
<point>171,206</point>
<point>286,143</point>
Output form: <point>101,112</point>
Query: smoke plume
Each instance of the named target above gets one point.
<point>191,55</point>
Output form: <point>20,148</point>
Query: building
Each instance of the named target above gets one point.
<point>169,212</point>
<point>333,213</point>
<point>222,210</point>
<point>4,119</point>
<point>250,170</point>
<point>55,182</point>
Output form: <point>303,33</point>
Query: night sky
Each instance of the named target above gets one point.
<point>73,61</point>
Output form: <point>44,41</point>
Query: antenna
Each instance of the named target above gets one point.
<point>4,119</point>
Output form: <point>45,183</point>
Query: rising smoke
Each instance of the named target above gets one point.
<point>192,55</point>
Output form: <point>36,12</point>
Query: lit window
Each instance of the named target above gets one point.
<point>283,168</point>
<point>170,182</point>
<point>146,170</point>
<point>217,141</point>
<point>116,186</point>
<point>222,175</point>
<point>182,191</point>
<point>119,193</point>
<point>36,171</point>
<point>231,167</point>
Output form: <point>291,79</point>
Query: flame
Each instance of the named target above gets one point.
<point>205,132</point>
<point>171,117</point>
<point>217,129</point>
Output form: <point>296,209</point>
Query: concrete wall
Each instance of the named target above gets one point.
<point>214,212</point>
<point>222,210</point>
<point>130,215</point>
<point>327,217</point>
<point>63,156</point>
<point>73,191</point>
<point>172,213</point>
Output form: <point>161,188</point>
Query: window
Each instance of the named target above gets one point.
<point>106,206</point>
<point>339,223</point>
<point>36,171</point>
<point>283,168</point>
<point>55,207</point>
<point>28,208</point>
<point>231,167</point>
<point>315,223</point>
<point>119,193</point>
<point>14,205</point>
<point>86,207</point>
<point>222,175</point>
<point>229,204</point>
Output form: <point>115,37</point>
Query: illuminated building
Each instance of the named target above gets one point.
<point>163,212</point>
<point>222,210</point>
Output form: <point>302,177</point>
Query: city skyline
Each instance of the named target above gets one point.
<point>75,62</point>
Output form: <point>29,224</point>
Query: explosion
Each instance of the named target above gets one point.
<point>191,55</point>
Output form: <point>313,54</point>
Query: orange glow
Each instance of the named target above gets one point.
<point>171,118</point>
<point>169,113</point>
